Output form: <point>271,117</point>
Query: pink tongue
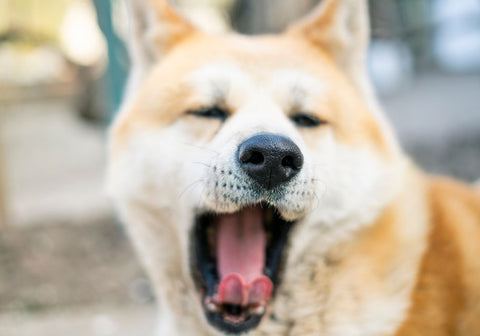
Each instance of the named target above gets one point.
<point>241,258</point>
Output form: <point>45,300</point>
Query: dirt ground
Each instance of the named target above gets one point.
<point>52,266</point>
<point>104,321</point>
<point>72,280</point>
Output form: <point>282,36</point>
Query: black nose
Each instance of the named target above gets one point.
<point>270,159</point>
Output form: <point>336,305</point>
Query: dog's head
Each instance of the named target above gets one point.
<point>233,156</point>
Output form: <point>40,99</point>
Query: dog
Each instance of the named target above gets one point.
<point>266,193</point>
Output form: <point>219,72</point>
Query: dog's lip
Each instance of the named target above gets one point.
<point>287,215</point>
<point>244,317</point>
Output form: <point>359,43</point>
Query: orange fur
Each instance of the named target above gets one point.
<point>446,300</point>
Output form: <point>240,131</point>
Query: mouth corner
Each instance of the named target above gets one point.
<point>237,264</point>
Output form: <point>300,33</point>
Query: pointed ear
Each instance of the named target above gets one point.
<point>341,28</point>
<point>155,27</point>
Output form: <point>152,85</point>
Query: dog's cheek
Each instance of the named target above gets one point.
<point>344,177</point>
<point>154,168</point>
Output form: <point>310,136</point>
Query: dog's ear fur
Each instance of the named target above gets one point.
<point>155,27</point>
<point>341,28</point>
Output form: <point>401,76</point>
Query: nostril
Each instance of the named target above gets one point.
<point>256,158</point>
<point>287,162</point>
<point>252,156</point>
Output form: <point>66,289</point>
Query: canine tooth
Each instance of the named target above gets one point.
<point>258,310</point>
<point>212,307</point>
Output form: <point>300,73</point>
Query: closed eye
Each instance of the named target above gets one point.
<point>306,120</point>
<point>210,112</point>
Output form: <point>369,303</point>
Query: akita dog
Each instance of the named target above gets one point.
<point>267,194</point>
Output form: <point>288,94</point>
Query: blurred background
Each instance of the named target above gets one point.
<point>66,267</point>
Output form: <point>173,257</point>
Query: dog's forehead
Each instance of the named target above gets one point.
<point>264,56</point>
<point>217,78</point>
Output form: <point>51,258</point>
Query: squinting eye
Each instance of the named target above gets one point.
<point>210,112</point>
<point>306,120</point>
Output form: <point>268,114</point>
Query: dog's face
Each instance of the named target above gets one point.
<point>235,156</point>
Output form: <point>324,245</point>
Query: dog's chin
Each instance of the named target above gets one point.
<point>237,261</point>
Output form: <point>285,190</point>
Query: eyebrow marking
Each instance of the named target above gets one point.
<point>216,81</point>
<point>296,88</point>
<point>299,95</point>
<point>219,91</point>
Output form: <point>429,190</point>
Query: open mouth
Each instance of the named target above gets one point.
<point>237,262</point>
